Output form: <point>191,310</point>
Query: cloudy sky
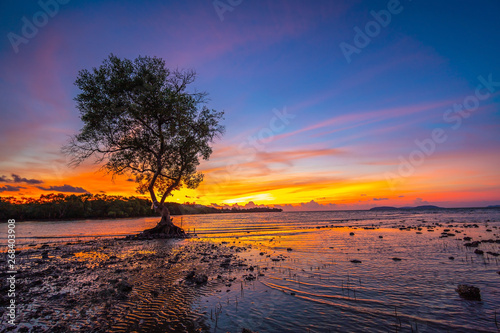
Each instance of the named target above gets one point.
<point>328,104</point>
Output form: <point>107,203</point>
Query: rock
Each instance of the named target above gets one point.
<point>351,233</point>
<point>250,277</point>
<point>124,286</point>
<point>225,263</point>
<point>289,249</point>
<point>451,258</point>
<point>199,279</point>
<point>246,330</point>
<point>35,283</point>
<point>396,259</point>
<point>477,251</point>
<point>469,292</point>
<point>356,261</point>
<point>380,236</point>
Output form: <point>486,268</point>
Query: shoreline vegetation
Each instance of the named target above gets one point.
<point>50,207</point>
<point>61,207</point>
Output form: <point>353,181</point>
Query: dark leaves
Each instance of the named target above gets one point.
<point>139,118</point>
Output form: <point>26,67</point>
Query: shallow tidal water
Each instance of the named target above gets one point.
<point>301,276</point>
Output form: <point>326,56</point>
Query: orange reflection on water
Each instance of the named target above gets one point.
<point>91,256</point>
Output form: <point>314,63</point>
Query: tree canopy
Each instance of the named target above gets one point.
<point>140,118</point>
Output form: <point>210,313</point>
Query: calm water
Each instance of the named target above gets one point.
<point>316,287</point>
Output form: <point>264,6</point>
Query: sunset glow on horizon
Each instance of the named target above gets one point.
<point>404,120</point>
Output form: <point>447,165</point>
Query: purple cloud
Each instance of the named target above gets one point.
<point>9,188</point>
<point>19,179</point>
<point>64,188</point>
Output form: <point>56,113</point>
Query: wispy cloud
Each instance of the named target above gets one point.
<point>9,188</point>
<point>19,179</point>
<point>64,188</point>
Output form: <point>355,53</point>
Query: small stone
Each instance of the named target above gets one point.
<point>124,286</point>
<point>469,292</point>
<point>190,275</point>
<point>356,261</point>
<point>200,279</point>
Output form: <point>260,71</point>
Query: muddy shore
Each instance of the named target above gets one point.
<point>117,285</point>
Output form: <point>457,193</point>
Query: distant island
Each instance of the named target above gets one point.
<point>100,206</point>
<point>405,208</point>
<point>425,207</point>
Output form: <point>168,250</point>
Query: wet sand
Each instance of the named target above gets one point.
<point>118,285</point>
<point>357,276</point>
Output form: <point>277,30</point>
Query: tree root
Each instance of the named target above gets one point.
<point>162,230</point>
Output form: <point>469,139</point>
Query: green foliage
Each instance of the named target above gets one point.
<point>60,206</point>
<point>140,119</point>
<point>93,206</point>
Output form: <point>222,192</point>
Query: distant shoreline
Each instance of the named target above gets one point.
<point>373,209</point>
<point>54,207</point>
<point>140,217</point>
<point>426,207</point>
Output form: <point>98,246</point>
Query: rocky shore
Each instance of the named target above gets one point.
<point>117,285</point>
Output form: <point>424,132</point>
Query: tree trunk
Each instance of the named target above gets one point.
<point>165,228</point>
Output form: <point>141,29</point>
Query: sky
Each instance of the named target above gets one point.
<point>328,104</point>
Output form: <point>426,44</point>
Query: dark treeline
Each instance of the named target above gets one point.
<point>60,206</point>
<point>95,206</point>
